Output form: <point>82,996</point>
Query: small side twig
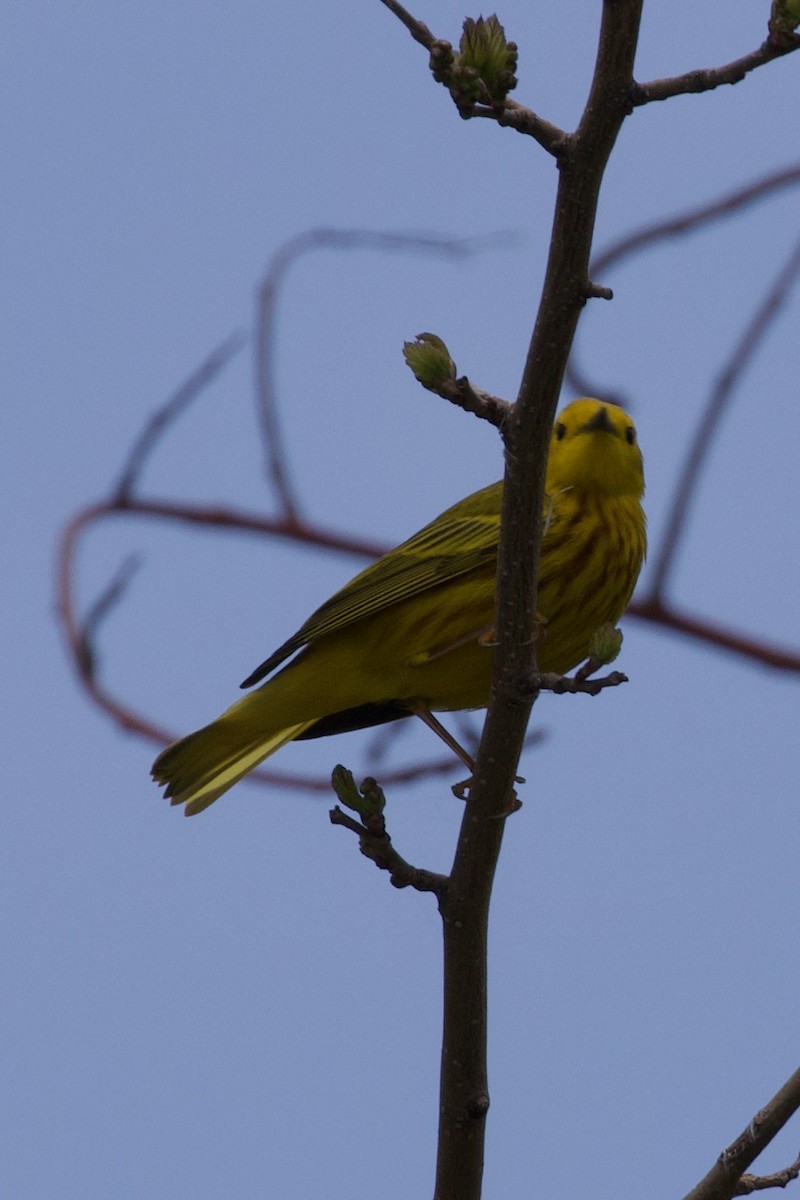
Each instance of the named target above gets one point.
<point>514,115</point>
<point>759,1183</point>
<point>109,598</point>
<point>373,840</point>
<point>474,400</point>
<point>433,367</point>
<point>573,685</point>
<point>379,848</point>
<point>507,113</point>
<point>776,45</point>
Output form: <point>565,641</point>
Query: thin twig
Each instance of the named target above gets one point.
<point>524,120</point>
<point>376,845</point>
<point>473,399</point>
<point>574,685</point>
<point>665,229</point>
<point>691,219</point>
<point>712,633</point>
<point>728,379</point>
<point>276,456</point>
<point>168,412</point>
<point>759,1183</point>
<point>109,598</point>
<point>417,29</point>
<point>511,115</point>
<point>706,80</point>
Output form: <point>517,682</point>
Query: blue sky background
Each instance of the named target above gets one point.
<point>240,1005</point>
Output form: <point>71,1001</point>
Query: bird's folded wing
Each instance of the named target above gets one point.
<point>463,539</point>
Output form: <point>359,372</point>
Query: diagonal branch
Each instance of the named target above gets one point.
<point>722,1180</point>
<point>472,399</point>
<point>524,120</point>
<point>169,412</point>
<point>712,633</point>
<point>369,802</point>
<point>721,395</point>
<point>682,223</point>
<point>417,29</point>
<point>776,45</point>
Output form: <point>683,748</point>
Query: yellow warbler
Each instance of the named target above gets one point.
<point>413,631</point>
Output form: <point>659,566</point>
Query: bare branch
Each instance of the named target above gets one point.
<point>759,1183</point>
<point>722,1181</point>
<point>169,412</point>
<point>379,848</point>
<point>474,400</point>
<point>516,116</point>
<point>722,393</point>
<point>109,598</point>
<point>465,909</point>
<point>572,685</point>
<point>276,457</point>
<point>688,221</point>
<point>776,45</point>
<point>374,842</point>
<point>691,219</point>
<point>417,29</point>
<point>711,633</point>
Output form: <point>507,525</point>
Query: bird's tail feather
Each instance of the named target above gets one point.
<point>200,767</point>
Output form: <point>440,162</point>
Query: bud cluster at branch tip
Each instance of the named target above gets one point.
<point>368,800</point>
<point>484,69</point>
<point>430,360</point>
<point>606,645</point>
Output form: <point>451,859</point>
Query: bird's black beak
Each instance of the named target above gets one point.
<point>600,423</point>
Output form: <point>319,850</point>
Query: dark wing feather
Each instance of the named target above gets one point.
<point>460,540</point>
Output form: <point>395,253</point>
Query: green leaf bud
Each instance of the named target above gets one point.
<point>606,644</point>
<point>430,360</point>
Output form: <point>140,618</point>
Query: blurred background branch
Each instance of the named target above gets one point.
<point>82,632</point>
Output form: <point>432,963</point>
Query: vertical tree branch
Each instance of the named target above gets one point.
<point>465,907</point>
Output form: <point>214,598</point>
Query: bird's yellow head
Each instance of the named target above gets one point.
<point>594,449</point>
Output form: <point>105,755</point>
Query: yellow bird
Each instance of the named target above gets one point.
<point>412,633</point>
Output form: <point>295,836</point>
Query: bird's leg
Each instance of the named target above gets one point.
<point>459,789</point>
<point>438,728</point>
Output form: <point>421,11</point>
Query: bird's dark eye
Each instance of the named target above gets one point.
<point>560,430</point>
<point>630,435</point>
